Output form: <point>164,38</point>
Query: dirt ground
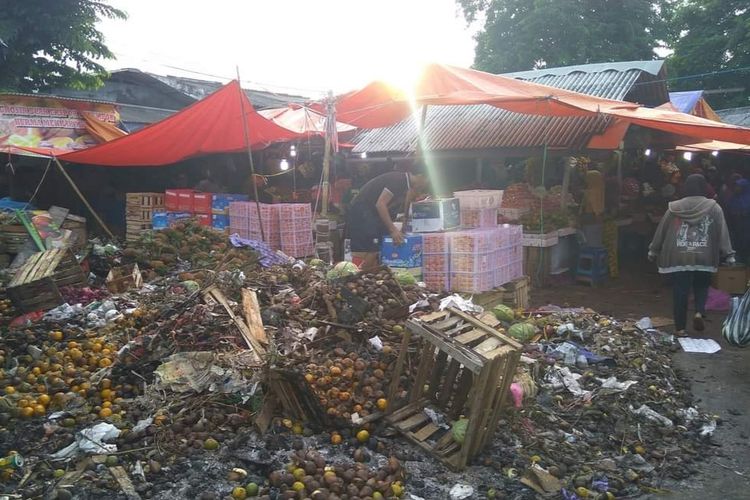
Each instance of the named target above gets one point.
<point>720,382</point>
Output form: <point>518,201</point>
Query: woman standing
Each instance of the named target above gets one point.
<point>689,244</point>
<point>738,215</point>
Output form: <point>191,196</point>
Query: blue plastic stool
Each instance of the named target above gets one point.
<point>592,265</point>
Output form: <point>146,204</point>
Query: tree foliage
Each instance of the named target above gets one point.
<point>526,34</point>
<point>53,43</point>
<point>712,36</point>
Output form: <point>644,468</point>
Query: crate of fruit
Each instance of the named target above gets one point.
<point>436,262</point>
<point>478,217</point>
<point>479,198</point>
<point>473,262</point>
<point>436,242</point>
<point>472,282</point>
<point>474,240</point>
<point>437,282</point>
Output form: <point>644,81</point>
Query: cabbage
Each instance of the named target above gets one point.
<point>459,430</point>
<point>405,278</point>
<point>341,270</point>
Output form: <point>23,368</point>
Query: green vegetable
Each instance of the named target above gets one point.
<point>503,313</point>
<point>459,430</point>
<point>405,278</point>
<point>341,270</point>
<point>522,332</point>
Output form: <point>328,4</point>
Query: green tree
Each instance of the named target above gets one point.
<point>526,34</point>
<point>711,39</point>
<point>53,43</point>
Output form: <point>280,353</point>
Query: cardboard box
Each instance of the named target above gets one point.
<point>408,255</point>
<point>731,279</point>
<point>435,215</point>
<point>202,203</point>
<point>220,221</point>
<point>220,202</point>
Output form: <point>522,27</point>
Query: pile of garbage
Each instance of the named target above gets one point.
<point>219,377</point>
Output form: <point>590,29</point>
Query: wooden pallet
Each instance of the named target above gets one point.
<point>514,295</point>
<point>36,285</point>
<point>123,278</point>
<point>295,397</point>
<point>465,368</point>
<point>145,200</point>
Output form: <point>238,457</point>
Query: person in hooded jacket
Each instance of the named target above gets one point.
<point>690,242</point>
<point>738,216</point>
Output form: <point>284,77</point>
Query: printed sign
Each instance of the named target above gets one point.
<point>48,122</point>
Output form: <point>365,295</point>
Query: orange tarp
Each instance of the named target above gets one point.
<point>211,125</point>
<point>378,105</point>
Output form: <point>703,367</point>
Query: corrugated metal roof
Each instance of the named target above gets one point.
<point>486,127</point>
<point>735,116</point>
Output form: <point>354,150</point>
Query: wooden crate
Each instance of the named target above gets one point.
<point>145,200</point>
<point>537,264</point>
<point>36,285</point>
<point>514,295</point>
<point>134,229</point>
<point>123,278</point>
<point>14,237</point>
<point>77,225</point>
<point>465,368</point>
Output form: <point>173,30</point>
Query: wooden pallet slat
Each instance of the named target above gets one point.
<point>425,432</point>
<point>36,285</point>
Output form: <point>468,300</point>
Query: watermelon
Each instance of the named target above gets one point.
<point>522,332</point>
<point>503,313</point>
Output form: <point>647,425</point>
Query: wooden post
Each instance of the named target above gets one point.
<point>327,153</point>
<point>83,198</point>
<point>250,156</point>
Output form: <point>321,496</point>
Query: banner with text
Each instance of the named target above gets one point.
<point>48,122</point>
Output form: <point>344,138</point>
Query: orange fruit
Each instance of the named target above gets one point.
<point>27,412</point>
<point>107,394</point>
<point>10,390</point>
<point>105,362</point>
<point>39,410</point>
<point>97,347</point>
<point>336,438</point>
<point>56,335</point>
<point>75,354</point>
<point>22,403</point>
<point>105,383</point>
<point>44,399</point>
<point>36,370</point>
<point>382,404</point>
<point>72,344</point>
<point>310,378</point>
<point>107,404</point>
<point>335,371</point>
<point>105,412</point>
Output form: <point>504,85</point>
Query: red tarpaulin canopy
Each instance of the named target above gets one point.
<point>211,125</point>
<point>302,120</point>
<point>378,105</point>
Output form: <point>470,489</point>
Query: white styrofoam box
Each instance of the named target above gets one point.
<point>480,198</point>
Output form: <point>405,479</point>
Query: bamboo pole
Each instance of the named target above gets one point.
<point>83,198</point>
<point>327,154</point>
<point>250,156</point>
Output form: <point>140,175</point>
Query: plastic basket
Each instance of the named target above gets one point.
<point>436,242</point>
<point>471,262</point>
<point>478,217</point>
<point>294,211</point>
<point>436,262</point>
<point>202,203</point>
<point>438,282</point>
<point>474,240</point>
<point>472,282</point>
<point>479,198</point>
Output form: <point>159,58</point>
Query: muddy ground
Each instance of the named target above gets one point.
<point>721,381</point>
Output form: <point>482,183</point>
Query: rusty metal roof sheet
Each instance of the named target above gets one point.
<point>486,127</point>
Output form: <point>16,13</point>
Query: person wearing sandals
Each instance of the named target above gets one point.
<point>690,242</point>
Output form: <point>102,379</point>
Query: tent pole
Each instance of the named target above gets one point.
<point>83,198</point>
<point>327,153</point>
<point>250,157</point>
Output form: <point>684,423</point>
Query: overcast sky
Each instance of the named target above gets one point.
<point>293,46</point>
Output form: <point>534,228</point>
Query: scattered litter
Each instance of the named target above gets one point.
<point>90,441</point>
<point>461,491</point>
<point>650,414</point>
<point>707,346</point>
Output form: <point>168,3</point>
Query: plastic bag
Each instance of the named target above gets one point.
<point>736,329</point>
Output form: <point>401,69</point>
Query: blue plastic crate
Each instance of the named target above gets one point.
<point>221,201</point>
<point>408,255</point>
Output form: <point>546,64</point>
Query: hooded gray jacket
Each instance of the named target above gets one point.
<point>692,236</point>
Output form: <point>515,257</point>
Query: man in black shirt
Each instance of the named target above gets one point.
<point>372,212</point>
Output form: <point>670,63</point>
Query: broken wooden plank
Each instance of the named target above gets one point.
<point>265,415</point>
<point>251,309</point>
<point>425,432</point>
<point>125,483</point>
<point>413,422</point>
<point>213,293</point>
<point>470,336</point>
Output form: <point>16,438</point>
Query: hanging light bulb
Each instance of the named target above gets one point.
<point>714,153</point>
<point>687,155</point>
<point>363,155</point>
<point>647,152</point>
<point>284,164</point>
<point>293,151</point>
